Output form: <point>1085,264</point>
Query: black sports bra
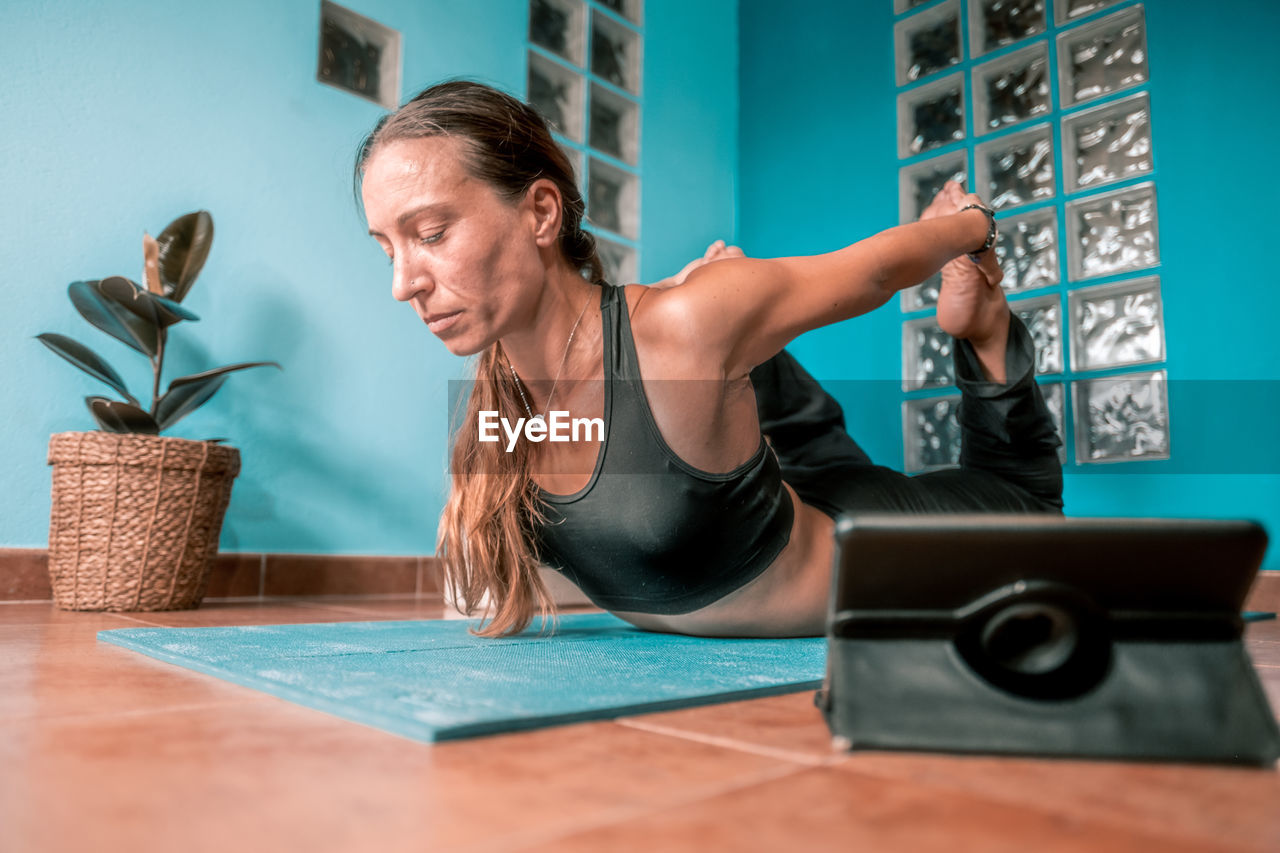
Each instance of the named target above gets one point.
<point>649,533</point>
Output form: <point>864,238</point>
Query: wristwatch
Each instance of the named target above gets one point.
<point>992,233</point>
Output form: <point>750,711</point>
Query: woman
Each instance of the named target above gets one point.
<point>681,518</point>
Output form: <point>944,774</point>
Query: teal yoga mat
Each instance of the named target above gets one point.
<point>431,680</point>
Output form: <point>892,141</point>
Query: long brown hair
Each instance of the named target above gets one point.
<point>486,542</point>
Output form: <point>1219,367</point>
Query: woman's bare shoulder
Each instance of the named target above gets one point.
<point>667,336</point>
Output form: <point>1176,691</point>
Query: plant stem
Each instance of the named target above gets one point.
<point>157,365</point>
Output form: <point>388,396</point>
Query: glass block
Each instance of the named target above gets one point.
<point>920,182</point>
<point>615,53</point>
<point>612,199</point>
<point>619,261</point>
<point>575,160</point>
<point>923,295</point>
<point>1107,144</point>
<point>1027,250</point>
<point>1055,398</point>
<point>559,26</point>
<point>1015,169</point>
<point>996,23</point>
<point>1011,89</point>
<point>1043,319</point>
<point>632,10</point>
<point>1121,418</point>
<point>556,93</point>
<point>615,125</point>
<point>1103,57</point>
<point>926,355</point>
<point>927,42</point>
<point>931,433</point>
<point>931,116</point>
<point>1116,324</point>
<point>1112,232</point>
<point>1068,10</point>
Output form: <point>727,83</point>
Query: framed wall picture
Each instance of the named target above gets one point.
<point>359,55</point>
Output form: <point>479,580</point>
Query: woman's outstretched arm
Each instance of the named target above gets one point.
<point>741,311</point>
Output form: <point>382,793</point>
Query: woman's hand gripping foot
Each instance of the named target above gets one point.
<point>971,304</point>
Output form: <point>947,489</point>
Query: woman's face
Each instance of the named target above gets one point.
<point>463,257</point>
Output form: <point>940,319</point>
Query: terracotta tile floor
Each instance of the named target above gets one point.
<point>103,749</point>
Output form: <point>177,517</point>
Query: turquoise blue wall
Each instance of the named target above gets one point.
<point>770,125</point>
<point>819,170</point>
<point>119,117</point>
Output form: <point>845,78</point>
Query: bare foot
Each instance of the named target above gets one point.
<point>717,251</point>
<point>971,304</point>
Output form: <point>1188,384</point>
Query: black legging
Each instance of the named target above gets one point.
<point>1008,447</point>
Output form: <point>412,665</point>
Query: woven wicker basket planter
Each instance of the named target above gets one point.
<point>136,519</point>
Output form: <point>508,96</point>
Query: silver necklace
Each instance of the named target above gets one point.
<point>563,359</point>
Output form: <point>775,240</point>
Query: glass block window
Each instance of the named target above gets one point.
<point>1113,232</point>
<point>1017,169</point>
<point>996,23</point>
<point>919,183</point>
<point>1027,248</point>
<point>1011,89</point>
<point>559,27</point>
<point>1051,123</point>
<point>928,42</point>
<point>926,352</point>
<point>1117,324</point>
<point>1107,144</point>
<point>931,433</point>
<point>613,199</point>
<point>557,93</point>
<point>1072,10</point>
<point>1055,397</point>
<point>1108,55</point>
<point>1043,319</point>
<point>615,53</point>
<point>632,10</point>
<point>931,116</point>
<point>585,76</point>
<point>1119,418</point>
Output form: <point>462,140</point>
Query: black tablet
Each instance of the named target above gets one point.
<point>1045,635</point>
<point>933,563</point>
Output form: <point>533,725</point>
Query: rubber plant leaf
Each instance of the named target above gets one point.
<point>183,248</point>
<point>188,393</point>
<point>111,318</point>
<point>85,359</point>
<point>114,416</point>
<point>155,310</point>
<point>171,312</point>
<point>129,296</point>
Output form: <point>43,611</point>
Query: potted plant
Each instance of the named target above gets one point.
<point>136,516</point>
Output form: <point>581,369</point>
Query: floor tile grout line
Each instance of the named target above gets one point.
<point>101,716</point>
<point>728,743</point>
<point>626,813</point>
